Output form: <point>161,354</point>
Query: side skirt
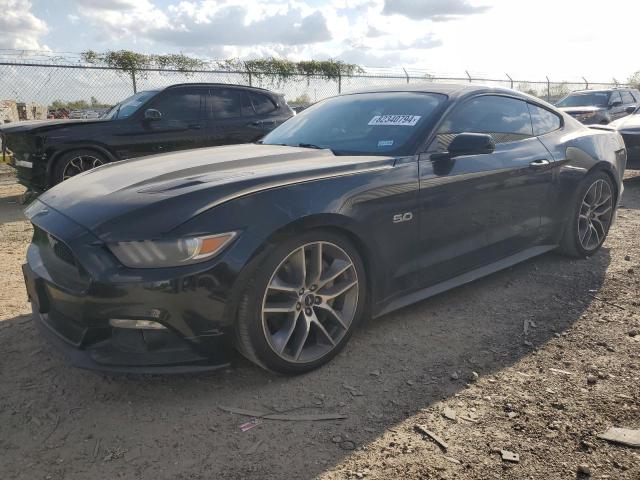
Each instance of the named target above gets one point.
<point>467,277</point>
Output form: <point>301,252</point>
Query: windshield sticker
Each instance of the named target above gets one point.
<point>404,120</point>
<point>385,143</point>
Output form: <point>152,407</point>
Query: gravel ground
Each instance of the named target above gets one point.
<point>537,360</point>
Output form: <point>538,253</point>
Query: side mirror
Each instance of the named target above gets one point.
<point>617,103</point>
<point>630,110</point>
<point>468,144</point>
<point>152,114</point>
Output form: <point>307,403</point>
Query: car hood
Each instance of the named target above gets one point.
<point>574,110</point>
<point>628,122</point>
<point>170,189</point>
<point>46,125</point>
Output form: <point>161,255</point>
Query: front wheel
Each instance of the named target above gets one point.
<point>302,304</point>
<point>591,217</point>
<point>74,163</point>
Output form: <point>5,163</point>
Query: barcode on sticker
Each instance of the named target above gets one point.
<point>385,143</point>
<point>404,120</point>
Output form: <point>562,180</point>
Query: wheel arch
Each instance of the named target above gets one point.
<point>605,167</point>
<point>55,155</point>
<point>335,223</point>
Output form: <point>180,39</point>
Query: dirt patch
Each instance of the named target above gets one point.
<point>536,360</point>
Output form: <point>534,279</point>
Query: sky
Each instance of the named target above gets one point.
<point>562,39</point>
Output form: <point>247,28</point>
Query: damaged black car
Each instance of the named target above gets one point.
<point>360,205</point>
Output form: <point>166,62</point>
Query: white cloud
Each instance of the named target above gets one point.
<point>486,37</point>
<point>207,26</point>
<point>19,28</point>
<point>436,10</point>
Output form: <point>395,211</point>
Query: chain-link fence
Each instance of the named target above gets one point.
<point>48,82</point>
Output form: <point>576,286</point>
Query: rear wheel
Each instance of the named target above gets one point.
<point>76,162</point>
<point>303,303</point>
<point>591,218</point>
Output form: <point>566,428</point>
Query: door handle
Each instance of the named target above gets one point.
<point>540,163</point>
<point>195,126</point>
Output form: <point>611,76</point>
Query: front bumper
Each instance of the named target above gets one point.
<point>76,287</point>
<point>120,350</point>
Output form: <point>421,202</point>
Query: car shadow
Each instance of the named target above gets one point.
<point>172,426</point>
<point>631,183</point>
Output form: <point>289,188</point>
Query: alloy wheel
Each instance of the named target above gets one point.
<point>79,164</point>
<point>595,215</point>
<point>310,302</point>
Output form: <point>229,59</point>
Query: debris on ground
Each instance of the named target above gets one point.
<point>254,422</point>
<point>441,443</point>
<point>449,413</point>
<point>584,470</point>
<point>623,436</point>
<point>508,456</point>
<point>285,417</point>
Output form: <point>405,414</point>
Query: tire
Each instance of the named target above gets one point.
<point>75,162</point>
<point>591,214</point>
<point>311,328</point>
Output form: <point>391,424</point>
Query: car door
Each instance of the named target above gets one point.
<point>173,120</point>
<point>229,117</point>
<point>628,102</point>
<point>266,116</point>
<point>477,209</point>
<point>616,106</point>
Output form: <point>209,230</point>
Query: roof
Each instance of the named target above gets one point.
<point>451,89</point>
<point>205,84</point>
<point>596,90</point>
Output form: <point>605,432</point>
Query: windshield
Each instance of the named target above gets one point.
<point>360,124</point>
<point>128,107</point>
<point>595,99</point>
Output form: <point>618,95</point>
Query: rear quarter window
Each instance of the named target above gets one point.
<point>262,104</point>
<point>543,120</point>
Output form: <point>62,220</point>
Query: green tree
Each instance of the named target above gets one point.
<point>634,80</point>
<point>303,99</point>
<point>278,70</point>
<point>137,64</point>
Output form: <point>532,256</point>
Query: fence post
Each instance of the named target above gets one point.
<point>133,78</point>
<point>586,83</point>
<point>468,75</point>
<point>406,74</point>
<point>339,83</point>
<point>548,90</point>
<point>510,79</point>
<point>250,79</point>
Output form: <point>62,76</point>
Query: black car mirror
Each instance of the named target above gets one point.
<point>152,114</point>
<point>630,110</point>
<point>467,144</point>
<point>615,104</point>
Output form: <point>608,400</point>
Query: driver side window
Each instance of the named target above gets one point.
<point>615,97</point>
<point>505,119</point>
<point>179,106</point>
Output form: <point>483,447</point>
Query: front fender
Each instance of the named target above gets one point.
<point>361,206</point>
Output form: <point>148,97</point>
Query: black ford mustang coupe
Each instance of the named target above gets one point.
<point>357,206</point>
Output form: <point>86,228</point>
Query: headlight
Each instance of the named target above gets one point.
<point>170,253</point>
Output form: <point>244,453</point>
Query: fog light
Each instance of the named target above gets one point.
<point>137,324</point>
